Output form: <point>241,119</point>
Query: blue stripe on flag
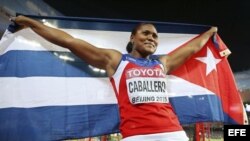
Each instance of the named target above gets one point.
<point>198,108</point>
<point>23,63</point>
<point>58,122</point>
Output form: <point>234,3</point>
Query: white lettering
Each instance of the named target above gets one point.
<point>236,132</point>
<point>230,132</point>
<point>145,72</point>
<point>150,72</point>
<point>243,132</point>
<point>136,72</point>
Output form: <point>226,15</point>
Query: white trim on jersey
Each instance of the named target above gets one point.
<point>167,136</point>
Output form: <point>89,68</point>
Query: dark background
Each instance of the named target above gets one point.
<point>231,17</point>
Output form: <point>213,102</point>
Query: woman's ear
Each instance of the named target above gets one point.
<point>132,39</point>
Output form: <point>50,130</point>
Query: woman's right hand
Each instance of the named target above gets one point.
<point>20,20</point>
<point>19,23</point>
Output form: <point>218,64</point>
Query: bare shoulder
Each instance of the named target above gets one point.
<point>114,57</point>
<point>164,59</point>
<point>113,54</point>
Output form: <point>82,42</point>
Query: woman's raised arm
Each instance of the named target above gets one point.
<point>107,59</point>
<point>178,58</point>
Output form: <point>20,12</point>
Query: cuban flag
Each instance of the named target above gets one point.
<point>48,93</point>
<point>205,87</point>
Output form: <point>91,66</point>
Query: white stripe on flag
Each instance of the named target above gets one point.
<point>54,91</point>
<point>179,87</point>
<point>28,40</point>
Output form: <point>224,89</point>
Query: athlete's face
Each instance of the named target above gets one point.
<point>145,40</point>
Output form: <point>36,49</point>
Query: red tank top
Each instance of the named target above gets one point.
<point>141,89</point>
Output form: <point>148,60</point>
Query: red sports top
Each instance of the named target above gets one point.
<point>140,87</point>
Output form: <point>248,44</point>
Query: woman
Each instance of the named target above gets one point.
<point>138,81</point>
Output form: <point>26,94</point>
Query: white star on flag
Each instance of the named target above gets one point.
<point>210,61</point>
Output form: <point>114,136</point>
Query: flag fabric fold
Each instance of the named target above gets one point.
<point>48,93</point>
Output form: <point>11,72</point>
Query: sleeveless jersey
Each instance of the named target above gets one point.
<point>141,90</point>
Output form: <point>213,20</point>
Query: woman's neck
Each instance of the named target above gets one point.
<point>136,54</point>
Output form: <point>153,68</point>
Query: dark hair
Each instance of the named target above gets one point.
<point>129,46</point>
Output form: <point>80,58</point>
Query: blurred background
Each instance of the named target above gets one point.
<point>231,17</point>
